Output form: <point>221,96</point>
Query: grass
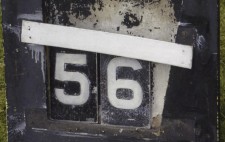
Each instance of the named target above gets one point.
<point>222,69</point>
<point>3,134</point>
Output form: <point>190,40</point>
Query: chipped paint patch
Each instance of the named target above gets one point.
<point>156,121</point>
<point>13,29</point>
<point>20,128</point>
<point>95,90</point>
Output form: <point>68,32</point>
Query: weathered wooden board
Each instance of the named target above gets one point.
<point>107,43</point>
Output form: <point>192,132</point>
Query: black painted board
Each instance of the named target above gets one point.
<point>125,91</point>
<point>191,94</point>
<point>196,90</point>
<point>73,85</point>
<point>39,135</point>
<point>25,76</point>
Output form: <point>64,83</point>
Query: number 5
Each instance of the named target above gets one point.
<point>62,75</point>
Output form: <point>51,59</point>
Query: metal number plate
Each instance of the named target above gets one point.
<point>125,91</point>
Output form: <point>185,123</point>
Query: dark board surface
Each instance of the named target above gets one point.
<point>174,129</point>
<point>190,111</point>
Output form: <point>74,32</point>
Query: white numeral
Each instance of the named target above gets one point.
<point>114,84</point>
<point>62,75</point>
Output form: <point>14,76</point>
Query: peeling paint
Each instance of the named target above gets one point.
<point>145,15</point>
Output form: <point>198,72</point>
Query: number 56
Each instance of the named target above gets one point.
<point>113,83</point>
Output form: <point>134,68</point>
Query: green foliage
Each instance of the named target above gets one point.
<point>222,68</point>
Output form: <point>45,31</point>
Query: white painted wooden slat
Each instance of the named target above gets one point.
<point>107,43</point>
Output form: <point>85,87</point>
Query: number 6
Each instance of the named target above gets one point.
<point>114,84</point>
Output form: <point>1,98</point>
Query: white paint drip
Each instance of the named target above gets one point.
<point>183,24</point>
<point>37,53</point>
<point>36,16</point>
<point>37,50</point>
<point>201,41</point>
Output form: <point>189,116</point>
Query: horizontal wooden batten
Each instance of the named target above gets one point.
<point>107,43</point>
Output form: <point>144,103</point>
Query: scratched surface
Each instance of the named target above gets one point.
<point>190,109</point>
